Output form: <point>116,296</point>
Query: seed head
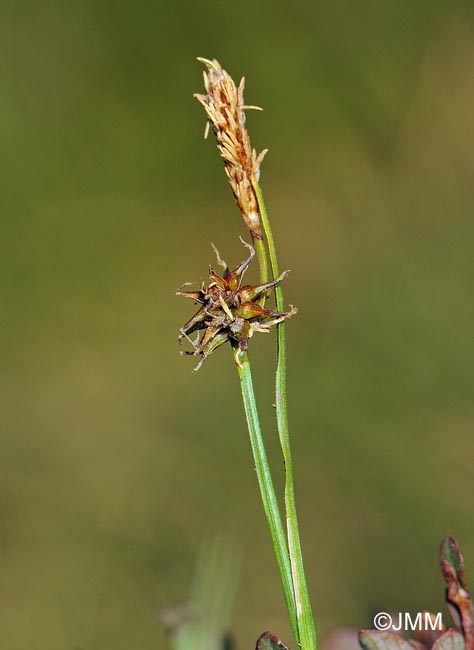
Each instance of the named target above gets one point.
<point>229,311</point>
<point>225,108</point>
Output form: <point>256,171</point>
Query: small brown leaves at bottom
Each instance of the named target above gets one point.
<point>269,641</point>
<point>457,594</point>
<point>385,640</point>
<point>452,563</point>
<point>450,640</point>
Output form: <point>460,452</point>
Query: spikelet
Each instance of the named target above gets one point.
<point>225,108</point>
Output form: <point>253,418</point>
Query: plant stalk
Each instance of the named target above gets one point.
<point>262,259</point>
<point>270,502</point>
<point>304,612</point>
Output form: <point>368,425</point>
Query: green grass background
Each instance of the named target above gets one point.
<point>115,461</point>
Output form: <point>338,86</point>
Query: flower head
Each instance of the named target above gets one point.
<point>229,311</point>
<point>225,108</point>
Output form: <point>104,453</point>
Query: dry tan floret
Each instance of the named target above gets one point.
<point>225,108</point>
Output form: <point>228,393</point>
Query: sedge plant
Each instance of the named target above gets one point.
<point>231,312</point>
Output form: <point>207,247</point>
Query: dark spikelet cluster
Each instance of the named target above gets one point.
<point>228,311</point>
<point>225,108</point>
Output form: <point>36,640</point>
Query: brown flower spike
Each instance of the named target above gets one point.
<point>225,108</point>
<point>228,311</point>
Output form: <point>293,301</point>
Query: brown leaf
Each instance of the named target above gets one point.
<point>457,594</point>
<point>378,640</point>
<point>269,641</point>
<point>450,640</point>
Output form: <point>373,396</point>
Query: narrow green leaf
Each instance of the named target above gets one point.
<point>304,610</point>
<point>267,491</point>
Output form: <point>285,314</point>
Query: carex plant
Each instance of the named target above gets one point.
<point>229,312</point>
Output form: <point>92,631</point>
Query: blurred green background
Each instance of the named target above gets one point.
<point>116,462</point>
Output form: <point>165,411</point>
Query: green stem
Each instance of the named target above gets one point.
<point>262,259</point>
<point>304,613</point>
<point>270,503</point>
